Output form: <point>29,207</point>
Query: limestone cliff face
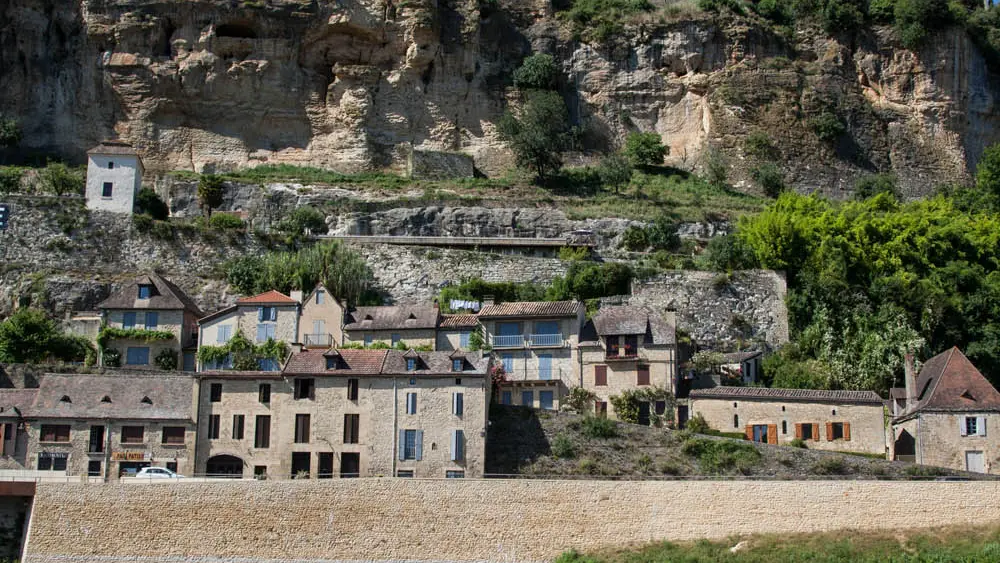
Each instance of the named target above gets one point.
<point>353,84</point>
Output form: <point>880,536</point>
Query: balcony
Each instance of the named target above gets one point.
<point>318,340</point>
<point>546,340</point>
<point>510,341</point>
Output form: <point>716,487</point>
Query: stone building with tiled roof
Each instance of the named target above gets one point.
<point>153,304</point>
<point>271,315</point>
<point>849,421</point>
<point>455,332</point>
<point>114,177</point>
<point>415,325</point>
<point>947,415</point>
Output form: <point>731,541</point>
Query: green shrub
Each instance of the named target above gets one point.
<point>149,202</point>
<point>727,253</point>
<point>10,132</point>
<point>579,400</point>
<point>697,424</point>
<point>10,180</point>
<point>716,167</point>
<point>59,179</point>
<point>210,192</point>
<point>570,253</point>
<point>882,11</point>
<point>670,468</point>
<point>827,126</point>
<point>645,149</point>
<point>759,144</point>
<point>769,178</point>
<point>875,184</point>
<point>225,222</point>
<point>615,172</point>
<point>562,447</point>
<point>538,72</point>
<point>601,20</point>
<point>166,360</point>
<point>778,11</point>
<point>923,471</point>
<point>539,133</point>
<point>916,19</point>
<point>644,463</point>
<point>842,15</point>
<point>111,358</point>
<point>634,239</point>
<point>832,465</point>
<point>590,280</point>
<point>798,443</point>
<point>720,455</point>
<point>599,427</point>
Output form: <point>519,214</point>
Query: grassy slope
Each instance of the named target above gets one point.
<point>526,442</point>
<point>938,545</point>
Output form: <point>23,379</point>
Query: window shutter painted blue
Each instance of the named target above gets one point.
<point>454,445</point>
<point>260,313</point>
<point>460,443</point>
<point>274,313</point>
<point>962,425</point>
<point>457,403</point>
<point>402,445</point>
<point>420,445</point>
<point>261,333</point>
<point>981,426</point>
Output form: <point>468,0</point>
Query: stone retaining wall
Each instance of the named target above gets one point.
<point>470,520</point>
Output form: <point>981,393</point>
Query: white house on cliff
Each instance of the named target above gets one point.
<point>114,176</point>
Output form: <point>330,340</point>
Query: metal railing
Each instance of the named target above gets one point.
<point>510,341</point>
<point>95,447</point>
<point>546,339</point>
<point>318,340</point>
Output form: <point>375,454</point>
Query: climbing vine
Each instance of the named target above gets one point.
<point>627,405</point>
<point>110,333</point>
<point>245,354</point>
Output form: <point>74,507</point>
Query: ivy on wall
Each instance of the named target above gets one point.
<point>627,404</point>
<point>245,354</point>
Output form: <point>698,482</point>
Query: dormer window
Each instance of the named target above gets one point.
<point>105,399</point>
<point>412,317</point>
<point>146,401</point>
<point>145,291</point>
<point>457,364</point>
<point>331,362</point>
<point>65,399</point>
<point>368,317</point>
<point>111,165</point>
<point>411,364</point>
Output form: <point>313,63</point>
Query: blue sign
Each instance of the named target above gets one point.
<point>4,216</point>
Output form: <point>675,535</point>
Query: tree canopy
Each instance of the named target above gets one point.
<point>539,133</point>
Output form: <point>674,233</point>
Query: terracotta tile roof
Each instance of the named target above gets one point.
<point>233,374</point>
<point>391,317</point>
<point>114,146</point>
<point>267,298</point>
<point>532,309</point>
<point>457,321</point>
<point>434,363</point>
<point>166,296</point>
<point>950,382</point>
<point>352,362</point>
<point>627,319</point>
<point>800,395</point>
<point>171,396</point>
<point>20,399</point>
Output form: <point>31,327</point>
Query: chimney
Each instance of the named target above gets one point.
<point>296,295</point>
<point>909,380</point>
<point>487,300</point>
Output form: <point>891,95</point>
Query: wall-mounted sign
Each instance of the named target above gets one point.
<point>131,456</point>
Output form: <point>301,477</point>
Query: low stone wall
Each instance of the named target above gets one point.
<point>469,520</point>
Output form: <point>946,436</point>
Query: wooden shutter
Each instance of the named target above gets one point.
<point>3,439</point>
<point>981,426</point>
<point>798,430</point>
<point>643,375</point>
<point>420,445</point>
<point>260,313</point>
<point>847,431</point>
<point>772,433</point>
<point>962,426</point>
<point>829,431</point>
<point>600,375</point>
<point>402,445</point>
<point>815,432</point>
<point>749,431</point>
<point>457,403</point>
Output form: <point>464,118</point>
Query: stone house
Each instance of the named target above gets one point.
<point>14,404</point>
<point>848,421</point>
<point>271,315</point>
<point>114,176</point>
<point>624,348</point>
<point>535,343</point>
<point>950,416</point>
<point>744,367</point>
<point>455,332</point>
<point>322,320</point>
<point>415,325</point>
<point>349,413</point>
<point>151,303</point>
<point>111,425</point>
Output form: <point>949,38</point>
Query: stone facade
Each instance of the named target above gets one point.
<point>939,440</point>
<point>119,174</point>
<point>321,321</point>
<point>623,375</point>
<point>180,323</point>
<point>465,520</point>
<point>412,337</point>
<point>218,328</point>
<point>864,423</point>
<point>437,165</point>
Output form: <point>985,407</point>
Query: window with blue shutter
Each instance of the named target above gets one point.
<point>411,403</point>
<point>368,340</point>
<point>395,339</point>
<point>145,291</point>
<point>457,445</point>
<point>505,398</point>
<point>267,364</point>
<point>128,321</point>
<point>137,356</point>
<point>152,320</point>
<point>545,366</point>
<point>463,339</point>
<point>223,333</point>
<point>420,445</point>
<point>411,364</point>
<point>457,403</point>
<point>264,332</point>
<point>508,363</point>
<point>457,364</point>
<point>527,398</point>
<point>545,400</point>
<point>408,444</point>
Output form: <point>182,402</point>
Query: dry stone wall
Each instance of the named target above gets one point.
<point>468,520</point>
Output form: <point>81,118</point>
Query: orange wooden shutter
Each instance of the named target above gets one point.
<point>798,430</point>
<point>749,432</point>
<point>829,431</point>
<point>815,432</point>
<point>3,439</point>
<point>847,431</point>
<point>772,433</point>
<point>600,375</point>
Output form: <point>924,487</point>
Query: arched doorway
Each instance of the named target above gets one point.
<point>224,466</point>
<point>905,447</point>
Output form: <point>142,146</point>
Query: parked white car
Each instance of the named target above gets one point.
<point>157,473</point>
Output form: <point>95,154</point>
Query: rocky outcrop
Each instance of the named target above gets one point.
<point>211,85</point>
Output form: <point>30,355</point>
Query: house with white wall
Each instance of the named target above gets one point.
<point>114,176</point>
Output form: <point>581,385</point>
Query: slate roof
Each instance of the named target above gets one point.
<point>217,314</point>
<point>531,309</point>
<point>267,298</point>
<point>114,146</point>
<point>627,319</point>
<point>20,399</point>
<point>588,334</point>
<point>172,397</point>
<point>391,317</point>
<point>459,321</point>
<point>800,395</point>
<point>433,363</point>
<point>168,296</point>
<point>352,362</point>
<point>739,357</point>
<point>949,382</point>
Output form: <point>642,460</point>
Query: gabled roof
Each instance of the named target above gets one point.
<point>171,397</point>
<point>114,146</point>
<point>949,382</point>
<point>614,320</point>
<point>740,357</point>
<point>351,362</point>
<point>459,321</point>
<point>267,298</point>
<point>434,363</point>
<point>217,314</point>
<point>798,395</point>
<point>19,399</point>
<point>532,309</point>
<point>319,286</point>
<point>588,334</point>
<point>167,296</point>
<point>391,317</point>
